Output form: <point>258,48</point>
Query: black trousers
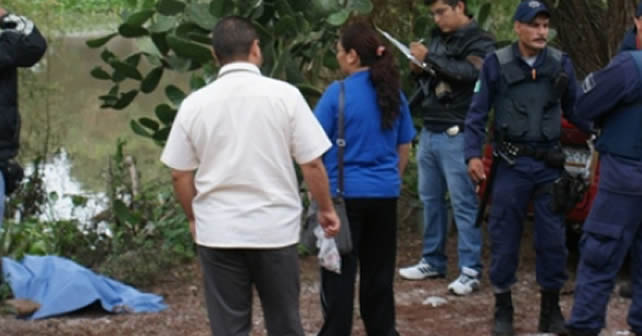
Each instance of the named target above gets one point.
<point>229,275</point>
<point>374,233</point>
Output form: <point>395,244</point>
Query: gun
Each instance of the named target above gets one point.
<point>499,153</point>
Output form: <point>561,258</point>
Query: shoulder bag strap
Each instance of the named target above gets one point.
<point>341,141</point>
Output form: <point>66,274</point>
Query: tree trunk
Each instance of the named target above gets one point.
<point>590,31</point>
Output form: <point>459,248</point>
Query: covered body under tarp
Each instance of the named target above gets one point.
<point>61,286</point>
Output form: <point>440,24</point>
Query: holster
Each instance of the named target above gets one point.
<point>568,190</point>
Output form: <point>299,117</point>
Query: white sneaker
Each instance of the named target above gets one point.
<point>466,283</point>
<point>420,271</point>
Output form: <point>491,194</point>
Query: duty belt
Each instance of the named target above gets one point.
<point>553,156</point>
<point>537,153</point>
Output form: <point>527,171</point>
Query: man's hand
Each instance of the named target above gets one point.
<point>3,12</point>
<point>419,51</point>
<point>330,222</point>
<point>476,170</point>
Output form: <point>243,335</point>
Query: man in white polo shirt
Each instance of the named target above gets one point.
<point>231,150</point>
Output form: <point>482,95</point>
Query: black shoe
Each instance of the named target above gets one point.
<point>551,319</point>
<point>503,315</point>
<point>626,290</point>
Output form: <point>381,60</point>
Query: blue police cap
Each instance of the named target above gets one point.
<point>528,10</point>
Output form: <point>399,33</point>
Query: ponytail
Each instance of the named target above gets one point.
<point>384,74</point>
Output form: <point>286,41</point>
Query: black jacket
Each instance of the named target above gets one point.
<point>21,45</point>
<point>457,58</point>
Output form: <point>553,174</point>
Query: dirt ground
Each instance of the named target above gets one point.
<point>471,315</point>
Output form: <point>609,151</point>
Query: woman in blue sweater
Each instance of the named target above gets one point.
<point>378,132</point>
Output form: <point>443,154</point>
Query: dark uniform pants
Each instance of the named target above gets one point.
<point>612,228</point>
<point>374,234</point>
<point>513,188</point>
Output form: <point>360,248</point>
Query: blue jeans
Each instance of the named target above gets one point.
<point>1,198</point>
<point>442,169</point>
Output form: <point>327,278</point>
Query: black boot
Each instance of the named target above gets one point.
<point>551,319</point>
<point>503,315</point>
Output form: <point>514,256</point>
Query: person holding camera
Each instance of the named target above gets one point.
<point>529,85</point>
<point>455,54</point>
<point>21,45</point>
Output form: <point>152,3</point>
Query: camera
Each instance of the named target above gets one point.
<point>443,91</point>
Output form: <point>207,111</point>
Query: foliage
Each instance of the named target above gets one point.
<point>179,31</point>
<point>149,231</point>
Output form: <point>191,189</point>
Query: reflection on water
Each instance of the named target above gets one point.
<point>62,91</point>
<point>58,180</point>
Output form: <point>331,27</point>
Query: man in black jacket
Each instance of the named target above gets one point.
<point>21,45</point>
<point>455,53</point>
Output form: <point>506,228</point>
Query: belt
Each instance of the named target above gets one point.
<point>539,153</point>
<point>553,156</point>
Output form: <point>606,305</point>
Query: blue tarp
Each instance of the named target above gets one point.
<point>61,286</point>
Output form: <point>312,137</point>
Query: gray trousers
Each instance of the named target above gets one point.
<point>229,275</point>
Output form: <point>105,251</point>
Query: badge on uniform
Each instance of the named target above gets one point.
<point>589,83</point>
<point>477,86</point>
<point>534,4</point>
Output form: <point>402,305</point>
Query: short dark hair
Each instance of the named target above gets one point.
<point>232,38</point>
<point>451,3</point>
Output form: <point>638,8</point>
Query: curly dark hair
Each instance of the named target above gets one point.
<point>384,74</point>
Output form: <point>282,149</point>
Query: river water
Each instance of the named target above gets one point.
<point>60,92</point>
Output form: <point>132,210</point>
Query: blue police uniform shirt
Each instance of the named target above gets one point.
<point>619,83</point>
<point>486,89</point>
<point>370,159</point>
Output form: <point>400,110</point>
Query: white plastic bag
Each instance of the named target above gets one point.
<point>329,257</point>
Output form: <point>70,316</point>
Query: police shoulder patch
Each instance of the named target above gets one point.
<point>477,86</point>
<point>589,83</point>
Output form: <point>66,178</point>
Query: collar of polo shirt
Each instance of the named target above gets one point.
<point>238,66</point>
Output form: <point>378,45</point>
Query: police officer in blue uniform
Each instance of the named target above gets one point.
<point>629,43</point>
<point>529,85</point>
<point>612,98</point>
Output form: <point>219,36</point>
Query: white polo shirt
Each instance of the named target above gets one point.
<point>241,133</point>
